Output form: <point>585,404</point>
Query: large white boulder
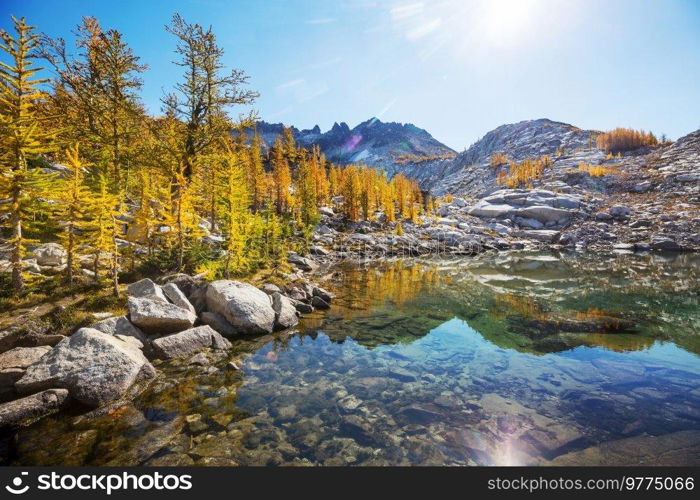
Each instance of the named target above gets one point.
<point>189,342</point>
<point>154,316</point>
<point>544,213</point>
<point>146,288</point>
<point>120,325</point>
<point>485,209</point>
<point>248,309</point>
<point>175,295</point>
<point>50,254</point>
<point>96,368</point>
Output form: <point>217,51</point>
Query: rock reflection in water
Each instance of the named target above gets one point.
<point>474,361</point>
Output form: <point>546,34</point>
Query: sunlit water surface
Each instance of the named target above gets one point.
<point>494,360</point>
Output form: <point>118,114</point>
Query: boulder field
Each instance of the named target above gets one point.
<point>110,362</point>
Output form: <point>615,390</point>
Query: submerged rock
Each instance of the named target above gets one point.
<point>95,367</point>
<point>246,308</point>
<point>680,448</point>
<point>30,408</point>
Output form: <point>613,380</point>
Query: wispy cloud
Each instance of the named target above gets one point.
<point>424,29</point>
<point>406,10</point>
<point>279,113</point>
<point>290,84</point>
<point>320,20</point>
<point>312,92</point>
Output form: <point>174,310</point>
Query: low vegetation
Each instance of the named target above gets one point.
<point>406,158</point>
<point>620,140</point>
<point>524,174</point>
<point>498,160</point>
<point>594,170</point>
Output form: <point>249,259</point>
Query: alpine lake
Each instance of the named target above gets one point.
<point>499,359</point>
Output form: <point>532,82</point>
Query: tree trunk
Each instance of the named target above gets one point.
<point>69,256</point>
<point>96,266</point>
<point>16,256</point>
<point>115,260</point>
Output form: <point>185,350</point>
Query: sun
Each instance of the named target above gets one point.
<point>504,22</point>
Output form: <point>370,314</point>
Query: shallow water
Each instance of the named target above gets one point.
<point>506,359</point>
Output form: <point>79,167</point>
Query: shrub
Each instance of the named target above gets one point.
<point>625,139</point>
<point>594,170</point>
<point>524,174</point>
<point>498,160</point>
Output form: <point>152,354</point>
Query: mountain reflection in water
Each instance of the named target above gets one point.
<point>501,359</point>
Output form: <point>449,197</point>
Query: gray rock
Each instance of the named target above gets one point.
<point>218,323</point>
<point>529,223</point>
<point>95,367</point>
<point>120,325</point>
<point>14,363</point>
<point>199,360</point>
<point>50,254</point>
<point>146,288</point>
<point>361,238</point>
<point>301,262</point>
<point>269,288</point>
<point>248,309</point>
<point>642,187</point>
<point>318,250</point>
<point>543,235</point>
<point>31,408</point>
<point>154,316</point>
<point>319,303</point>
<point>692,177</point>
<point>285,312</point>
<point>485,209</point>
<point>659,242</point>
<point>189,342</point>
<point>320,292</point>
<point>175,295</point>
<point>544,213</point>
<point>302,307</point>
<point>620,211</point>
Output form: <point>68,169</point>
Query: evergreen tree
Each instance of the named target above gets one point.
<point>202,99</point>
<point>95,95</point>
<point>102,230</point>
<point>306,193</point>
<point>74,201</point>
<point>22,137</point>
<point>255,174</point>
<point>234,202</point>
<point>282,178</point>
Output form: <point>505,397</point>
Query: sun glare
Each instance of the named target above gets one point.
<point>506,21</point>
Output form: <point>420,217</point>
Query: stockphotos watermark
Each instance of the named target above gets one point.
<point>106,483</point>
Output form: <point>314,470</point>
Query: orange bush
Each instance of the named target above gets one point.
<point>524,174</point>
<point>498,160</point>
<point>594,170</point>
<point>625,139</point>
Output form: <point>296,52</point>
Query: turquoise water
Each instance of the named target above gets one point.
<point>496,360</point>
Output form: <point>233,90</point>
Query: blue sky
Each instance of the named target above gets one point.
<point>457,68</point>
